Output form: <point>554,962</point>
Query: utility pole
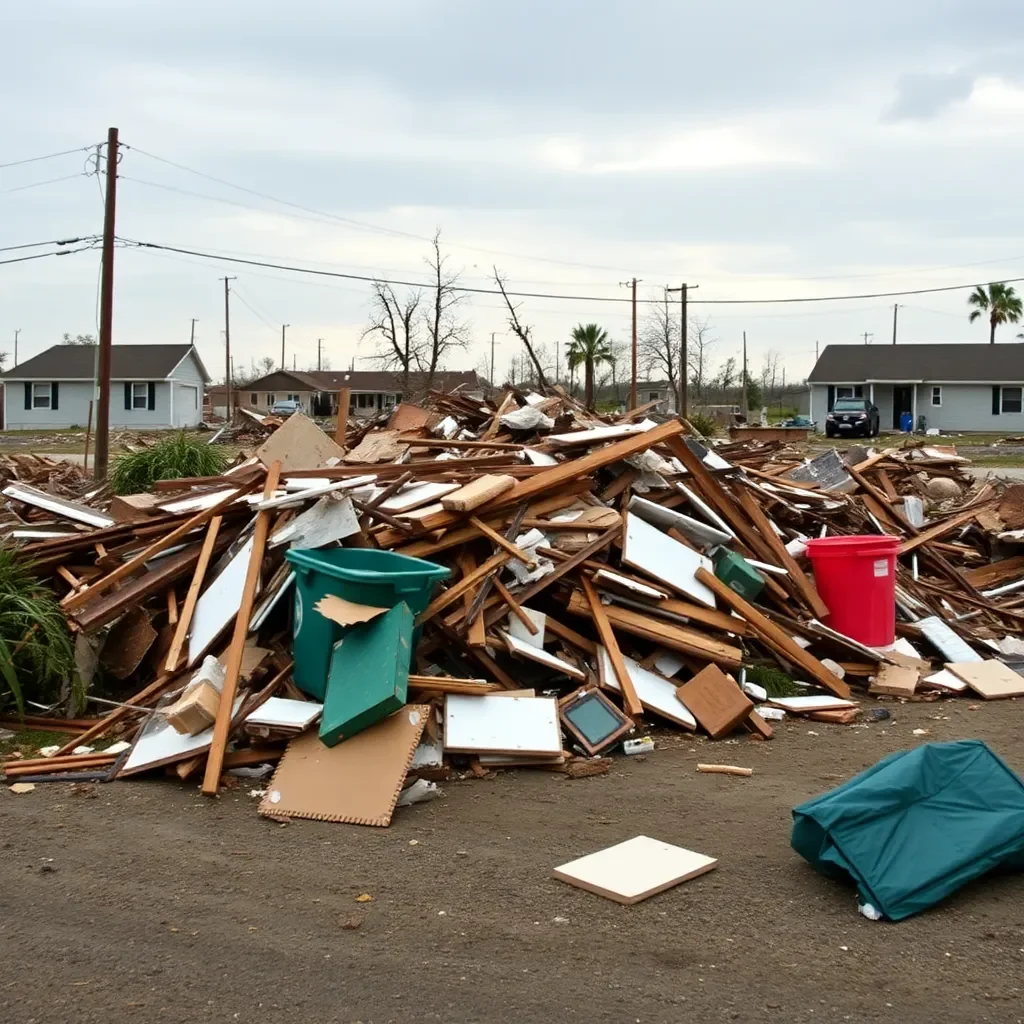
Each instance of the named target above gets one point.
<point>492,358</point>
<point>106,312</point>
<point>284,327</point>
<point>227,349</point>
<point>745,410</point>
<point>557,348</point>
<point>815,351</point>
<point>895,310</point>
<point>16,333</point>
<point>632,387</point>
<point>684,356</point>
<point>319,349</point>
<point>866,335</point>
<point>192,333</point>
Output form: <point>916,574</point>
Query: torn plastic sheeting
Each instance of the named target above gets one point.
<point>529,418</point>
<point>911,830</point>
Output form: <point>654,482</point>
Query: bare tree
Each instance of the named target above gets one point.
<point>700,341</point>
<point>393,320</point>
<point>521,331</point>
<point>445,331</point>
<point>659,347</point>
<point>268,363</point>
<point>78,339</point>
<point>769,375</point>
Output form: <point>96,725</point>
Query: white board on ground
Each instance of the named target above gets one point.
<point>218,604</point>
<point>944,680</point>
<point>634,870</point>
<point>542,657</point>
<point>502,725</point>
<point>646,548</point>
<point>992,679</point>
<point>946,642</point>
<point>284,713</point>
<point>599,434</point>
<point>658,515</point>
<point>653,691</point>
<point>800,705</point>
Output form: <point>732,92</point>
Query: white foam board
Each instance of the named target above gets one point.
<point>946,642</point>
<point>634,870</point>
<point>520,632</point>
<point>658,515</point>
<point>804,704</point>
<point>653,691</point>
<point>646,548</point>
<point>945,680</point>
<point>284,713</point>
<point>218,604</point>
<point>542,657</point>
<point>501,725</point>
<point>416,494</point>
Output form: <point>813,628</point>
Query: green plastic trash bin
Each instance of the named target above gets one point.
<point>738,574</point>
<point>362,575</point>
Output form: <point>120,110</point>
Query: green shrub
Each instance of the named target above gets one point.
<point>704,425</point>
<point>175,457</point>
<point>774,680</point>
<point>37,656</point>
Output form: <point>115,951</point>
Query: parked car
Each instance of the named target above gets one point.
<point>285,407</point>
<point>852,416</point>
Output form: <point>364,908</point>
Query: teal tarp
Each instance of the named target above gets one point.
<point>917,826</point>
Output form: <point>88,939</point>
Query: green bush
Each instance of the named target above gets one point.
<point>37,656</point>
<point>704,425</point>
<point>176,457</point>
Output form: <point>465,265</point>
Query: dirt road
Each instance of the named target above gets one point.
<point>151,903</point>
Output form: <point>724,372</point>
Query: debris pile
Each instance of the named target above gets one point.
<point>475,585</point>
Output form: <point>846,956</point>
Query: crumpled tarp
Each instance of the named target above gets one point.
<point>917,826</point>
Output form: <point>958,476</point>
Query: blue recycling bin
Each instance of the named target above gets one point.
<point>906,422</point>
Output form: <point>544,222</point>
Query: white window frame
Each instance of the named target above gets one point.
<point>270,399</point>
<point>937,393</point>
<point>852,388</point>
<point>294,398</point>
<point>254,398</point>
<point>1020,401</point>
<point>41,400</point>
<point>653,396</point>
<point>136,384</point>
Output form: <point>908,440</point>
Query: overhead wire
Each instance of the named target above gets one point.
<point>39,184</point>
<point>47,156</point>
<point>43,255</point>
<point>56,241</point>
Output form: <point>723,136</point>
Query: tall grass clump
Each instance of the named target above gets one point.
<point>37,656</point>
<point>177,456</point>
<point>704,425</point>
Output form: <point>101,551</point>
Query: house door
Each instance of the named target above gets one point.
<point>902,399</point>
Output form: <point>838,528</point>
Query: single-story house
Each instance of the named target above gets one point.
<point>371,391</point>
<point>152,387</point>
<point>974,387</point>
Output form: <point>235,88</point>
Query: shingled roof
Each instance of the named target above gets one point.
<point>127,362</point>
<point>978,363</point>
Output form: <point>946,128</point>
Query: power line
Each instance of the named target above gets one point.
<point>38,184</point>
<point>39,245</point>
<point>551,295</point>
<point>48,156</point>
<point>43,255</point>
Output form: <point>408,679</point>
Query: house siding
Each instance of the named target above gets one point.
<point>967,407</point>
<point>188,384</point>
<point>73,407</point>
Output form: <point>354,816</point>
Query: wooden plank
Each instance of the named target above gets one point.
<point>940,528</point>
<point>496,538</point>
<point>222,726</point>
<point>665,634</point>
<point>779,637</point>
<point>162,544</point>
<point>454,592</point>
<point>514,606</point>
<point>887,485</point>
<point>341,429</point>
<point>477,493</point>
<point>797,576</point>
<point>895,680</point>
<point>189,607</point>
<point>604,629</point>
<point>480,655</point>
<point>445,684</point>
<point>715,700</point>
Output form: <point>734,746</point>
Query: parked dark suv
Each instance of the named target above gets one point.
<point>852,416</point>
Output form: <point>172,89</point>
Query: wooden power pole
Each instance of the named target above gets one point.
<point>684,355</point>
<point>632,386</point>
<point>319,349</point>
<point>895,311</point>
<point>106,313</point>
<point>192,333</point>
<point>744,410</point>
<point>228,409</point>
<point>284,327</point>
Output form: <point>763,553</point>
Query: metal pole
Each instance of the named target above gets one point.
<point>319,348</point>
<point>192,333</point>
<point>284,327</point>
<point>632,386</point>
<point>106,311</point>
<point>744,410</point>
<point>492,359</point>
<point>895,310</point>
<point>227,349</point>
<point>16,333</point>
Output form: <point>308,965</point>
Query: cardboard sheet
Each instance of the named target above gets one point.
<point>346,613</point>
<point>634,870</point>
<point>299,444</point>
<point>502,725</point>
<point>358,781</point>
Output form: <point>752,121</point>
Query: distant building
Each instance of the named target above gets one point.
<point>152,387</point>
<point>317,391</point>
<point>647,391</point>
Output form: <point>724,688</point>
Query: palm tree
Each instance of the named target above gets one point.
<point>589,347</point>
<point>1000,302</point>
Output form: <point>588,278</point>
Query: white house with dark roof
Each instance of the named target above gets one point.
<point>975,387</point>
<point>152,387</point>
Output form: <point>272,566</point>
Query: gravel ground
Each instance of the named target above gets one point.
<point>147,902</point>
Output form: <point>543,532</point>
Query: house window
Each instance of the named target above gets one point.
<point>294,398</point>
<point>389,401</point>
<point>1011,399</point>
<point>364,401</point>
<point>937,396</point>
<point>41,394</point>
<point>270,398</point>
<point>853,391</point>
<point>140,395</point>
<point>254,399</point>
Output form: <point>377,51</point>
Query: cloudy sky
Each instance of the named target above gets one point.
<point>760,151</point>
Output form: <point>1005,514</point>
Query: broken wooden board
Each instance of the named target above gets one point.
<point>502,725</point>
<point>127,643</point>
<point>718,704</point>
<point>541,657</point>
<point>655,692</point>
<point>667,518</point>
<point>895,681</point>
<point>650,551</point>
<point>58,506</point>
<point>634,870</point>
<point>299,444</point>
<point>479,491</point>
<point>806,705</point>
<point>358,781</point>
<point>218,604</point>
<point>991,679</point>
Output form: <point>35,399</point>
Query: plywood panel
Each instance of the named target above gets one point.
<point>992,679</point>
<point>502,725</point>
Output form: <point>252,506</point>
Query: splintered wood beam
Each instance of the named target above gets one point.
<point>941,528</point>
<point>189,607</point>
<point>496,538</point>
<point>514,606</point>
<point>611,645</point>
<point>222,725</point>
<point>777,636</point>
<point>456,590</point>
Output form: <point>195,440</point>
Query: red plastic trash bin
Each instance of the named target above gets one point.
<point>856,577</point>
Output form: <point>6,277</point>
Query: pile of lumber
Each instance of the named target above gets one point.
<point>588,594</point>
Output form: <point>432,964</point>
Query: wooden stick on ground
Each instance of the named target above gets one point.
<point>188,609</point>
<point>222,726</point>
<point>724,769</point>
